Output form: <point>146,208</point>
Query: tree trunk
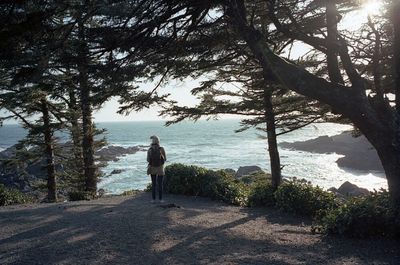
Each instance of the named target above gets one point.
<point>75,131</point>
<point>390,159</point>
<point>272,143</point>
<point>49,153</point>
<point>396,48</point>
<point>332,39</point>
<point>392,168</point>
<point>86,108</point>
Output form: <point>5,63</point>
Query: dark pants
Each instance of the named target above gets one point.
<point>156,181</point>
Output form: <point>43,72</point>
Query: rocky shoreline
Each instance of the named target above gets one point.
<point>115,152</point>
<point>25,175</point>
<point>358,153</point>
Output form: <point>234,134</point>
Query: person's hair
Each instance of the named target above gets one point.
<point>155,139</point>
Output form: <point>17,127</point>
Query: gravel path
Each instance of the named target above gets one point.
<point>130,230</point>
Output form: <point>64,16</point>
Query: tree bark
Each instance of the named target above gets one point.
<point>75,131</point>
<point>49,153</point>
<point>393,167</point>
<point>332,39</point>
<point>390,158</point>
<point>376,61</point>
<point>396,58</point>
<point>272,142</point>
<point>86,108</point>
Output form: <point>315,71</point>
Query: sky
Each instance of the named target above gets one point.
<point>179,90</point>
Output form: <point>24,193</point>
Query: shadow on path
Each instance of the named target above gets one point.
<point>130,230</point>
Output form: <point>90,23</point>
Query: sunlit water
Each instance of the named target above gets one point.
<point>213,144</point>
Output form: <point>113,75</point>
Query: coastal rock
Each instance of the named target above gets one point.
<point>333,189</point>
<point>366,161</point>
<point>101,192</point>
<point>337,194</point>
<point>358,152</point>
<point>323,144</point>
<point>117,171</point>
<point>113,152</point>
<point>351,190</point>
<point>247,170</point>
<point>7,153</point>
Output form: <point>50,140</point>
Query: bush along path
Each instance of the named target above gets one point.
<point>9,196</point>
<point>362,217</point>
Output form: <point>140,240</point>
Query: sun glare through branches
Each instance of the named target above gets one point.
<point>372,7</point>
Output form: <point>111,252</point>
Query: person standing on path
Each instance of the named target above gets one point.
<point>156,158</point>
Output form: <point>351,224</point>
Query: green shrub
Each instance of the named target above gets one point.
<point>148,187</point>
<point>300,197</point>
<point>12,196</point>
<point>130,192</point>
<point>79,196</point>
<point>362,217</point>
<point>182,179</point>
<point>226,188</point>
<point>198,181</point>
<point>261,193</point>
<point>255,177</point>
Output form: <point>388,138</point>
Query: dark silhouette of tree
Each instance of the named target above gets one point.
<point>372,114</point>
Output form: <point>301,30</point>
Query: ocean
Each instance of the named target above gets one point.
<point>215,145</point>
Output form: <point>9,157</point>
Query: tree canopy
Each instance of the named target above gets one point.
<point>82,53</point>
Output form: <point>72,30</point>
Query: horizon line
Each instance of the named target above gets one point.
<point>127,121</point>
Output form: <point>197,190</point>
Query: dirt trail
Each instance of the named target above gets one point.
<point>130,230</point>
